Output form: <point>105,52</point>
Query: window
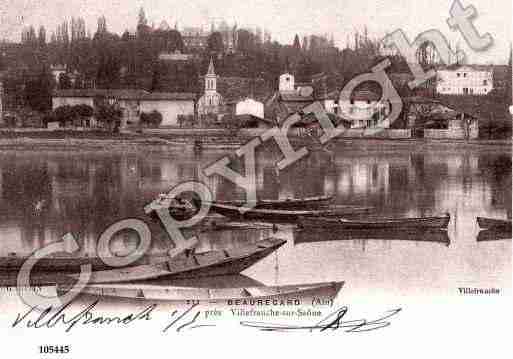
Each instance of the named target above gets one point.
<point>464,74</point>
<point>485,82</point>
<point>458,74</point>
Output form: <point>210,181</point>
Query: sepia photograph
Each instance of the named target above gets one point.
<point>287,170</point>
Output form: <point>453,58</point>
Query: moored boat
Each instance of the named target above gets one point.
<point>488,235</point>
<point>287,203</point>
<point>317,234</point>
<point>64,262</point>
<point>493,223</point>
<point>281,215</point>
<point>185,265</point>
<point>166,293</point>
<point>393,223</point>
<point>238,226</point>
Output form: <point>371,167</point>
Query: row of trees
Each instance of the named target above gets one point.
<point>107,60</point>
<point>108,115</point>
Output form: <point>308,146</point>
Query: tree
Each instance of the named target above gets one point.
<point>83,110</point>
<point>142,24</point>
<point>102,27</point>
<point>64,114</point>
<point>297,44</point>
<point>304,46</point>
<point>42,37</point>
<point>109,114</point>
<point>38,92</point>
<point>166,40</point>
<point>141,18</point>
<point>64,81</point>
<point>215,42</point>
<point>152,119</point>
<point>245,43</point>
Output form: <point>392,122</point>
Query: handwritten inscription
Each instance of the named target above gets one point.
<point>333,321</point>
<point>193,318</point>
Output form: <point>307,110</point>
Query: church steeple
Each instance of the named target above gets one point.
<point>211,78</point>
<point>211,70</point>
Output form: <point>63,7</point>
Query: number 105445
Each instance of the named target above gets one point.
<point>54,349</point>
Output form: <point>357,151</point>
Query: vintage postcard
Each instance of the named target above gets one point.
<point>282,177</point>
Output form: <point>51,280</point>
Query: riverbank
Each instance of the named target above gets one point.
<point>78,140</point>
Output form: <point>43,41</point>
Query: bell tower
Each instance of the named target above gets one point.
<point>210,79</point>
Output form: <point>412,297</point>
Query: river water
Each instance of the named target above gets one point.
<point>44,195</point>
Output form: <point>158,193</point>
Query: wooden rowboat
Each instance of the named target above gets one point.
<point>394,223</point>
<point>488,235</point>
<point>492,223</point>
<point>165,293</point>
<point>281,215</point>
<point>212,263</point>
<point>238,226</point>
<point>64,262</point>
<point>288,203</point>
<point>313,235</point>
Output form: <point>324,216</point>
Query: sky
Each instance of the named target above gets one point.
<point>284,18</point>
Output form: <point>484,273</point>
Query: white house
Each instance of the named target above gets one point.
<point>174,56</point>
<point>250,107</point>
<point>364,109</point>
<point>286,83</point>
<point>132,102</point>
<point>465,80</point>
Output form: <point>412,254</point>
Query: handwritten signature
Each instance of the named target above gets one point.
<point>186,319</point>
<point>48,318</point>
<point>333,322</point>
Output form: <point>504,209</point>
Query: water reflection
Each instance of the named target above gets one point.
<point>45,195</point>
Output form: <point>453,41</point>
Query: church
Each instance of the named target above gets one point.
<point>211,101</point>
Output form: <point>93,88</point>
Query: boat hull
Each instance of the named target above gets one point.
<point>396,224</point>
<point>69,263</point>
<point>492,223</point>
<point>313,235</point>
<point>487,235</point>
<point>281,216</point>
<point>213,263</point>
<point>237,295</point>
<point>284,204</point>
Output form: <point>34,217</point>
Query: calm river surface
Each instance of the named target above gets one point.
<point>44,195</point>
